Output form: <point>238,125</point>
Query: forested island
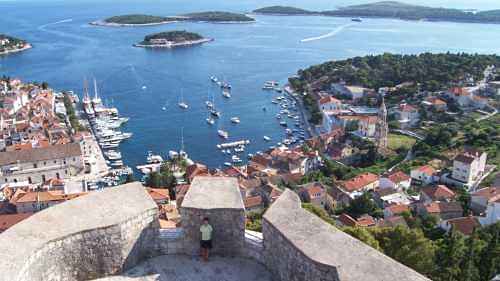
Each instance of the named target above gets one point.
<point>392,9</point>
<point>283,10</point>
<point>9,44</point>
<point>133,20</point>
<point>145,20</point>
<point>217,16</point>
<point>172,39</point>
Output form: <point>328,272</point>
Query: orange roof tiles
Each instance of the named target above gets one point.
<point>359,182</point>
<point>438,192</point>
<point>428,170</point>
<point>465,225</point>
<point>253,201</point>
<point>398,177</point>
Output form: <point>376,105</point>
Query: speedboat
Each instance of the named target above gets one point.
<point>235,120</point>
<point>151,158</point>
<point>210,120</point>
<point>283,123</point>
<point>266,138</point>
<point>226,93</point>
<point>209,104</point>
<point>357,19</point>
<point>223,134</point>
<point>227,164</point>
<point>214,79</point>
<point>183,105</point>
<point>215,113</point>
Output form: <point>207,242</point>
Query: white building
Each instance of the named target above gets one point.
<point>492,213</point>
<point>407,115</point>
<point>469,166</point>
<point>398,181</point>
<point>353,92</point>
<point>329,103</point>
<point>425,175</point>
<point>481,198</point>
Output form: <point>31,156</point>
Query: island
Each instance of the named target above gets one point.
<point>217,16</point>
<point>172,39</point>
<point>9,44</point>
<point>147,20</point>
<point>283,10</point>
<point>392,9</point>
<point>134,20</point>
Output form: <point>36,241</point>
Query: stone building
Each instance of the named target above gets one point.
<point>40,164</point>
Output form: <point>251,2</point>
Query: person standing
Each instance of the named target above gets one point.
<point>206,239</point>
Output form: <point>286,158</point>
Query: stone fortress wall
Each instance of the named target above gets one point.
<point>107,232</point>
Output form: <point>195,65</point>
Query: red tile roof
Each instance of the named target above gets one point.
<point>465,225</point>
<point>347,220</point>
<point>406,107</point>
<point>329,99</point>
<point>492,194</point>
<point>366,221</point>
<point>253,201</point>
<point>158,194</point>
<point>443,207</point>
<point>7,221</point>
<point>397,209</point>
<point>398,177</point>
<point>428,170</point>
<point>359,182</point>
<point>439,192</point>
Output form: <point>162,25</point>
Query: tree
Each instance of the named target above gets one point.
<point>364,235</point>
<point>364,204</point>
<point>450,254</point>
<point>409,247</point>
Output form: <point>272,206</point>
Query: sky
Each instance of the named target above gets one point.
<point>315,4</point>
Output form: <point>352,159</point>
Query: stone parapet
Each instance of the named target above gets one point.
<point>299,246</point>
<point>92,236</point>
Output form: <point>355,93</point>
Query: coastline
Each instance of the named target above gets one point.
<point>383,17</point>
<point>175,45</point>
<point>26,47</point>
<point>113,24</point>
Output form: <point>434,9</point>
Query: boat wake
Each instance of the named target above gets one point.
<point>41,27</point>
<point>330,34</point>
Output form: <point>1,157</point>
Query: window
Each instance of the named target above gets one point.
<point>57,176</point>
<point>35,166</point>
<point>15,180</point>
<point>44,163</point>
<point>29,180</point>
<point>55,161</point>
<point>64,162</point>
<point>43,178</point>
<point>74,159</point>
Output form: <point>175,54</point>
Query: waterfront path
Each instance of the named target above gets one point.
<point>303,111</point>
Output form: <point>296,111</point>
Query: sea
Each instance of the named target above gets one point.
<point>141,82</point>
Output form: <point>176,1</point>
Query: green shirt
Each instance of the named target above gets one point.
<point>206,232</point>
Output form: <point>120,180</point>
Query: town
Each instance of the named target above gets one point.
<point>374,161</point>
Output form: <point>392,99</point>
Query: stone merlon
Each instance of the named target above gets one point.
<point>208,193</point>
<point>52,244</point>
<point>325,246</point>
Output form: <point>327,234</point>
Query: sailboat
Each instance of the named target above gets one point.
<point>210,119</point>
<point>165,106</point>
<point>208,103</point>
<point>214,111</point>
<point>182,104</point>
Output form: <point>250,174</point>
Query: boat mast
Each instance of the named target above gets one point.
<point>95,89</point>
<point>85,88</point>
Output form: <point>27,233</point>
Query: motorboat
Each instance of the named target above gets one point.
<point>223,134</point>
<point>266,138</point>
<point>235,120</point>
<point>152,158</point>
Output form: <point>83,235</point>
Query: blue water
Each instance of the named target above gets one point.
<point>245,54</point>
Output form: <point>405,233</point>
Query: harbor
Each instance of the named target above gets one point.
<point>105,123</point>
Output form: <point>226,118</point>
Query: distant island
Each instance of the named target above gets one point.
<point>146,20</point>
<point>217,16</point>
<point>9,44</point>
<point>172,39</point>
<point>134,20</point>
<point>283,10</point>
<point>392,9</point>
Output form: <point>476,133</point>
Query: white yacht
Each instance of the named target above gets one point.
<point>266,138</point>
<point>226,93</point>
<point>182,104</point>
<point>152,159</point>
<point>235,120</point>
<point>223,134</point>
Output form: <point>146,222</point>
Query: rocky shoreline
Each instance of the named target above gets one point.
<point>175,45</point>
<point>26,47</point>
